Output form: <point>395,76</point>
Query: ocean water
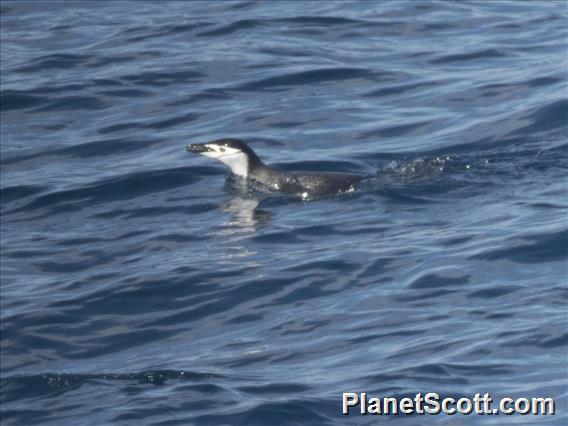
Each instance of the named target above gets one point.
<point>140,286</point>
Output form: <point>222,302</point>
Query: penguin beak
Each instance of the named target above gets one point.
<point>198,148</point>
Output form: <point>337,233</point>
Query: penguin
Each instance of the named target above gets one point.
<point>244,163</point>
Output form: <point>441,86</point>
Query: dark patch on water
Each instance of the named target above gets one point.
<point>491,53</point>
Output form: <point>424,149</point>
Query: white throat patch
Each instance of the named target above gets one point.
<point>235,159</point>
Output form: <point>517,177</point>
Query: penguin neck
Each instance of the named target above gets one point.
<point>272,178</point>
<point>256,169</point>
<point>259,171</point>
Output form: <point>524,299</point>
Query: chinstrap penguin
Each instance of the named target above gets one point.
<point>244,162</point>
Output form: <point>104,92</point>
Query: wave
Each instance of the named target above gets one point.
<point>119,188</point>
<point>314,76</point>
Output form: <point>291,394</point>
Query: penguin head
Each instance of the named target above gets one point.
<point>234,153</point>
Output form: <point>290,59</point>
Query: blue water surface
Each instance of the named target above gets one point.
<point>139,286</point>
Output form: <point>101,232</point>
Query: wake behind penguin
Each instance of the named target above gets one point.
<point>244,163</point>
